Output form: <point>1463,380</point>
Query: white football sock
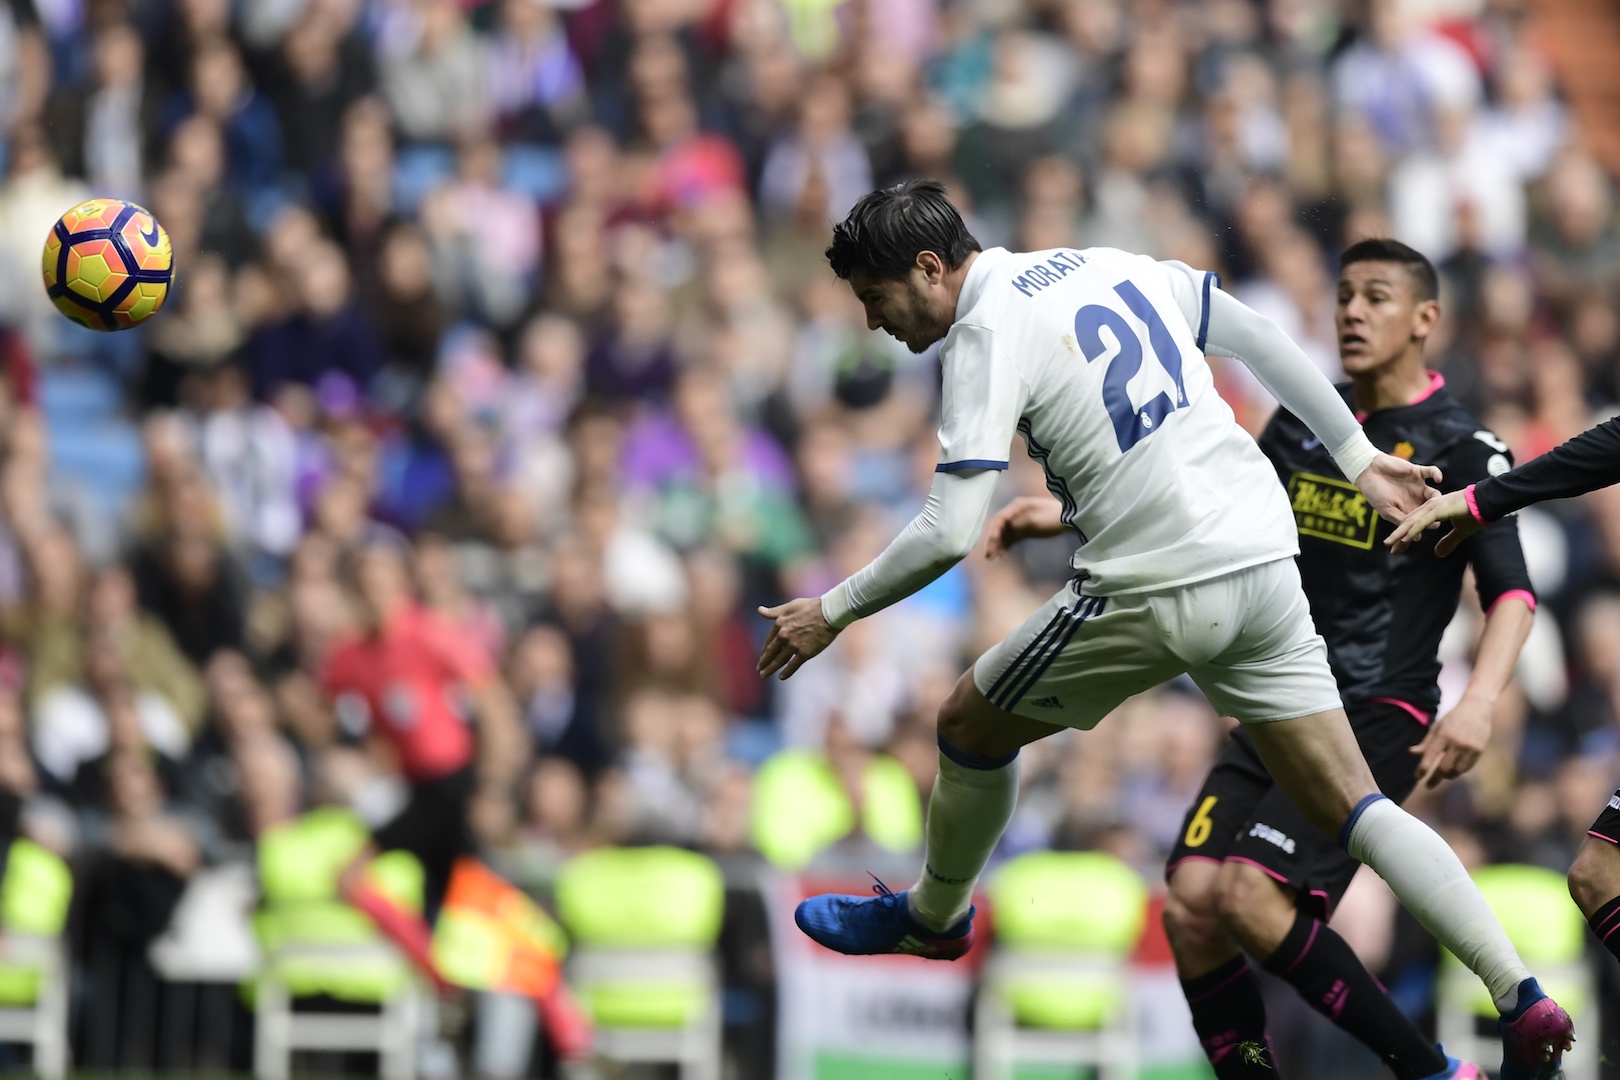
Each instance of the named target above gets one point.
<point>967,813</point>
<point>1430,881</point>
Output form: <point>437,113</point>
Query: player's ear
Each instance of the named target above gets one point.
<point>932,267</point>
<point>1425,316</point>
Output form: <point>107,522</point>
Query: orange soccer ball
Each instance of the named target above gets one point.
<point>108,264</point>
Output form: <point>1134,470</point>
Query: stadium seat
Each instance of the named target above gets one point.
<point>1055,988</point>
<point>537,171</point>
<point>800,807</point>
<point>34,903</point>
<point>644,922</point>
<point>316,946</point>
<point>67,393</point>
<point>1549,932</point>
<point>418,170</point>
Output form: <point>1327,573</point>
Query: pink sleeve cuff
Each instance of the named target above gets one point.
<point>1521,594</point>
<point>1473,506</point>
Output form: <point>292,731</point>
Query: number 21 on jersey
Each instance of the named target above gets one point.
<point>1131,425</point>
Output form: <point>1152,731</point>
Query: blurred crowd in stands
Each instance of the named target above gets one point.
<point>536,288</point>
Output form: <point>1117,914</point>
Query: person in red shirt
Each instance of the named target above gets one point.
<point>416,690</point>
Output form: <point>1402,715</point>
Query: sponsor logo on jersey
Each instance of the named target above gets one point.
<point>1404,450</point>
<point>1276,837</point>
<point>1497,465</point>
<point>1311,443</point>
<point>1614,801</point>
<point>1330,509</point>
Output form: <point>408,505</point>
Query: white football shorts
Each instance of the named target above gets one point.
<point>1246,638</point>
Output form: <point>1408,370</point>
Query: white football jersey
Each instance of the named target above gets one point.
<point>1096,357</point>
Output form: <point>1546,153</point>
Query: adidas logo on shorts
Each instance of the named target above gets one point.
<point>1046,703</point>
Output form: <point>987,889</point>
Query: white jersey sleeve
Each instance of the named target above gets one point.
<point>1224,326</point>
<point>1192,289</point>
<point>936,540</point>
<point>981,397</point>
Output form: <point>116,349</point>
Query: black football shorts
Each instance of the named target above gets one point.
<point>1607,825</point>
<point>1241,814</point>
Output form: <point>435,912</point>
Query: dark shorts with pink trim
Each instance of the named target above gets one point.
<point>1607,825</point>
<point>1242,815</point>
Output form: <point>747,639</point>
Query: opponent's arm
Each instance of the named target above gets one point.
<point>1589,461</point>
<point>1027,517</point>
<point>1394,487</point>
<point>936,539</point>
<point>1506,594</point>
<point>1455,741</point>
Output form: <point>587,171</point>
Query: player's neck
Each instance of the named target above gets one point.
<point>1391,386</point>
<point>955,279</point>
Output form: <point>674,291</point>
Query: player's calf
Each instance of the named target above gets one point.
<point>1594,877</point>
<point>1221,988</point>
<point>1594,884</point>
<point>1298,948</point>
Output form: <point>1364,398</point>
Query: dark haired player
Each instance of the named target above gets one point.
<point>1589,461</point>
<point>1249,872</point>
<point>1186,563</point>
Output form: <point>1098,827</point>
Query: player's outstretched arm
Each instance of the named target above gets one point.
<point>1451,507</point>
<point>1393,486</point>
<point>1589,461</point>
<point>1028,517</point>
<point>937,539</point>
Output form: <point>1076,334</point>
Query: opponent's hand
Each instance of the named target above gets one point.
<point>800,632</point>
<point>1452,507</point>
<point>1397,487</point>
<point>1454,743</point>
<point>1025,518</point>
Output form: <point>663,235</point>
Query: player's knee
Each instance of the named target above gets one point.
<point>1594,877</point>
<point>952,722</point>
<point>1253,908</point>
<point>964,727</point>
<point>1191,919</point>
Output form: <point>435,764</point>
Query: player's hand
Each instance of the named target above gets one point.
<point>1025,518</point>
<point>1397,487</point>
<point>800,632</point>
<point>1454,742</point>
<point>1451,507</point>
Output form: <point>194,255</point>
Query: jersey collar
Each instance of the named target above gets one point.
<point>973,284</point>
<point>1437,383</point>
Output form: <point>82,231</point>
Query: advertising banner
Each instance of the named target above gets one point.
<point>900,1018</point>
